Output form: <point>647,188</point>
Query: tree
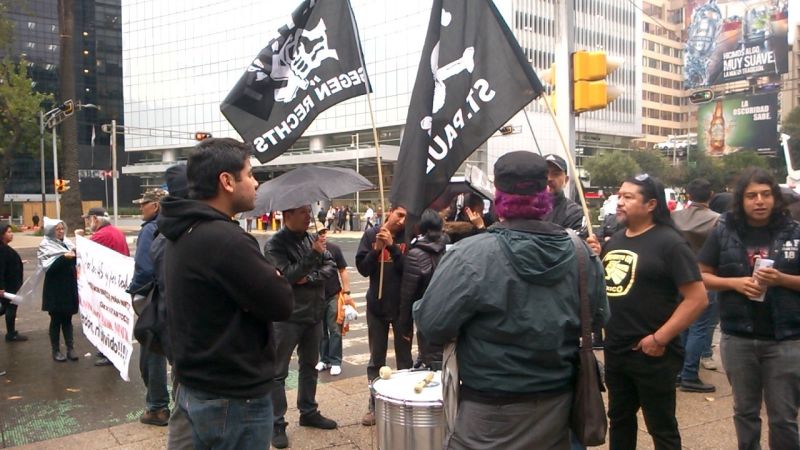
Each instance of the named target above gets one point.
<point>19,113</point>
<point>610,169</point>
<point>71,200</point>
<point>651,162</point>
<point>735,163</point>
<point>791,126</point>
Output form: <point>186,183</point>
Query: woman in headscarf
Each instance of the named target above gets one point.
<point>60,292</point>
<point>10,281</point>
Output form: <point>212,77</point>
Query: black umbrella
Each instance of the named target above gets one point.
<point>306,185</point>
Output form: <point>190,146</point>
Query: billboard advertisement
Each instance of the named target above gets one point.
<point>731,40</point>
<point>738,122</point>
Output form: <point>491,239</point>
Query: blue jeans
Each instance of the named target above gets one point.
<point>226,423</point>
<point>764,369</point>
<point>154,374</point>
<point>713,321</point>
<point>330,347</point>
<point>696,340</point>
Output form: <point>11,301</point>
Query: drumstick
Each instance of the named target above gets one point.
<point>424,382</point>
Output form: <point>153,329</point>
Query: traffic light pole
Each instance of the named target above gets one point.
<point>41,156</point>
<point>565,47</point>
<point>114,168</point>
<point>55,174</point>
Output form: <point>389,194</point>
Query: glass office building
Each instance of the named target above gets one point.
<point>181,58</point>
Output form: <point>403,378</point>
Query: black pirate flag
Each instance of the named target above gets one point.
<point>312,63</point>
<point>472,78</point>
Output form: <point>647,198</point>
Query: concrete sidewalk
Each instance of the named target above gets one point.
<point>705,421</point>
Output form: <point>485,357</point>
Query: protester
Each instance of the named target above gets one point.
<point>179,434</point>
<point>152,366</point>
<point>56,255</point>
<point>468,221</point>
<point>516,351</point>
<point>384,245</point>
<point>369,214</point>
<point>647,266</point>
<point>10,282</point>
<point>222,296</point>
<point>330,218</point>
<point>330,347</point>
<point>696,222</point>
<point>565,212</point>
<point>418,268</point>
<point>107,235</point>
<point>303,259</point>
<point>760,343</point>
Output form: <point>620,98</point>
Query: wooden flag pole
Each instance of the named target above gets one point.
<point>380,184</point>
<point>572,168</point>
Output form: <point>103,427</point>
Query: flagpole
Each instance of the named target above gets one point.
<point>572,168</point>
<point>368,86</point>
<point>530,127</point>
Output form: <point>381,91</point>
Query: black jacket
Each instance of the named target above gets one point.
<point>60,289</point>
<point>369,265</point>
<point>10,269</point>
<point>418,266</point>
<point>292,254</point>
<point>222,297</point>
<point>566,213</point>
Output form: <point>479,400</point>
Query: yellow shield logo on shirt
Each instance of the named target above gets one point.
<point>620,269</point>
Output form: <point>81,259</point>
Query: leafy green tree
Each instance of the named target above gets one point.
<point>736,162</point>
<point>651,162</point>
<point>19,113</point>
<point>610,169</point>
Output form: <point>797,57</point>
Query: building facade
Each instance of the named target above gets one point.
<point>98,76</point>
<point>181,58</point>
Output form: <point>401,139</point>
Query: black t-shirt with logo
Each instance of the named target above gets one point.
<point>643,274</point>
<point>757,241</point>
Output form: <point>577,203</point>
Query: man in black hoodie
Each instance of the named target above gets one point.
<point>565,212</point>
<point>222,297</point>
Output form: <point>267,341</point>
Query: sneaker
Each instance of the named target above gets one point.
<point>103,362</point>
<point>321,366</point>
<point>58,356</point>
<point>279,437</point>
<point>369,419</point>
<point>696,386</point>
<point>16,337</point>
<point>336,370</point>
<point>159,417</point>
<point>71,355</point>
<point>317,420</point>
<point>708,363</point>
<point>2,372</point>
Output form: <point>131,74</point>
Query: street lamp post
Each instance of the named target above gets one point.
<point>358,197</point>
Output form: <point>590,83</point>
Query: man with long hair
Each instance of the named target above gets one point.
<point>510,297</point>
<point>759,309</point>
<point>648,266</point>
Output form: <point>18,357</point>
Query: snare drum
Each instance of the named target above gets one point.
<point>405,419</point>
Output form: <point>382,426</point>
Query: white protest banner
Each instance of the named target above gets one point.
<point>106,309</point>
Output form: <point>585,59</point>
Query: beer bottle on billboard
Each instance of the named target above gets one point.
<point>716,132</point>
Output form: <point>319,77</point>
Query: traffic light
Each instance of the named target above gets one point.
<point>589,88</point>
<point>202,135</point>
<point>68,107</point>
<point>61,185</point>
<point>704,96</point>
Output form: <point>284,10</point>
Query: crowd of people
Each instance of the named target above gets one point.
<point>504,283</point>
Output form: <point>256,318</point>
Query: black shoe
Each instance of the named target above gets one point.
<point>59,357</point>
<point>317,420</point>
<point>71,355</point>
<point>279,438</point>
<point>16,337</point>
<point>696,386</point>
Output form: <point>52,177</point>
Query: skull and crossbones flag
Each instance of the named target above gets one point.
<point>472,78</point>
<point>312,62</point>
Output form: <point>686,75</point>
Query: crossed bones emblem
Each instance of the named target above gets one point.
<point>441,74</point>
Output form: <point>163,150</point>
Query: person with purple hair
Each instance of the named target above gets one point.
<point>510,299</point>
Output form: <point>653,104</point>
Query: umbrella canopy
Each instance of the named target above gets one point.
<point>306,185</point>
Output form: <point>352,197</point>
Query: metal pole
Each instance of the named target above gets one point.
<point>41,155</point>
<point>358,197</point>
<point>564,51</point>
<point>55,173</point>
<point>114,168</point>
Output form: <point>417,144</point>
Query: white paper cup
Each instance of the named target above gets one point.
<point>761,263</point>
